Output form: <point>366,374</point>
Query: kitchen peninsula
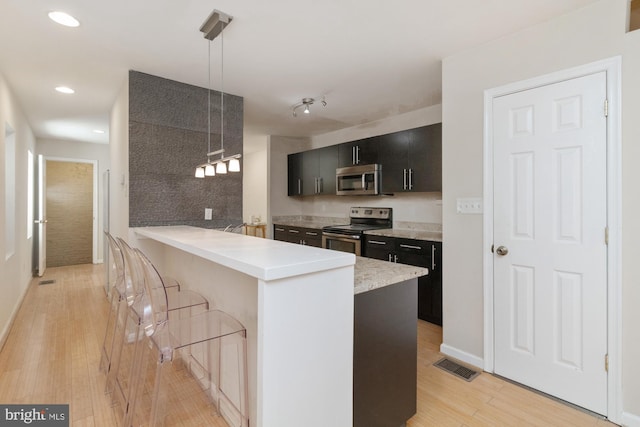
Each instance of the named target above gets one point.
<point>297,304</point>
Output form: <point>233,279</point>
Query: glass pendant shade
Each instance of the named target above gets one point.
<point>199,172</point>
<point>221,168</point>
<point>234,165</point>
<point>209,170</point>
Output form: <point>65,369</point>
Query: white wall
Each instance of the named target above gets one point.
<point>255,177</point>
<point>119,154</point>
<point>412,119</point>
<point>81,151</point>
<point>15,272</point>
<point>631,223</point>
<point>587,35</point>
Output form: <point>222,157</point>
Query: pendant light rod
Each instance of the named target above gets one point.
<point>209,99</point>
<point>222,91</point>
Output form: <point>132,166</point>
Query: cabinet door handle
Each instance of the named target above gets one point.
<point>395,258</point>
<point>357,154</point>
<point>433,257</point>
<point>294,231</point>
<point>404,179</point>
<point>410,179</point>
<point>410,246</point>
<point>279,229</point>
<point>320,182</point>
<point>390,258</point>
<point>299,186</point>
<point>310,233</point>
<point>376,242</point>
<point>353,155</point>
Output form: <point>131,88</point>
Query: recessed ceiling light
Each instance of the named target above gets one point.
<point>64,19</point>
<point>64,89</point>
<point>98,131</point>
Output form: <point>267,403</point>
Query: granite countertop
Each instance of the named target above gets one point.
<point>406,230</point>
<point>302,223</point>
<point>408,233</point>
<point>308,221</point>
<point>371,274</point>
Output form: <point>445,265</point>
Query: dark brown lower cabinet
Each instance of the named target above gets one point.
<point>299,235</point>
<point>421,253</point>
<point>385,356</point>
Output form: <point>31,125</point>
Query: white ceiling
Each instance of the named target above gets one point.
<point>369,58</point>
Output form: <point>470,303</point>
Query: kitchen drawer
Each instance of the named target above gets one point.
<point>379,247</point>
<point>299,235</point>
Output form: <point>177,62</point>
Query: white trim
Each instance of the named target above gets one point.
<point>462,356</point>
<point>94,254</point>
<point>630,420</point>
<point>7,328</point>
<point>612,66</point>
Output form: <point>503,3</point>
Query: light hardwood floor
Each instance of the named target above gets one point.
<point>52,355</point>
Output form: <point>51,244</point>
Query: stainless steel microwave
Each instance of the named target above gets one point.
<point>362,180</point>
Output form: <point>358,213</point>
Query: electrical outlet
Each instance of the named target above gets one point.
<point>208,214</point>
<point>470,205</point>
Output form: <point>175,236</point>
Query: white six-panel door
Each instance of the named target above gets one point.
<point>550,272</point>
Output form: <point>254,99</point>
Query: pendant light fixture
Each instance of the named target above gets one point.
<point>212,27</point>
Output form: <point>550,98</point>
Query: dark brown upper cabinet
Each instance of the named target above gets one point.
<point>360,152</point>
<point>412,160</point>
<point>313,172</point>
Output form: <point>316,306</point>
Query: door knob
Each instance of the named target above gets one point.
<point>502,250</point>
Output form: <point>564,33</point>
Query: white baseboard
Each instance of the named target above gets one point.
<point>7,328</point>
<point>629,420</point>
<point>462,356</point>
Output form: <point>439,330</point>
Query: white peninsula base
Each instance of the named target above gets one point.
<point>297,304</point>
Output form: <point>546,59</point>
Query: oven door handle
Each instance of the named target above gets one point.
<point>341,236</point>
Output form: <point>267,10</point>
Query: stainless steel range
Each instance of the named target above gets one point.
<point>348,237</point>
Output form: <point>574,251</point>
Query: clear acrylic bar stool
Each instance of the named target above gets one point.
<point>121,295</point>
<point>128,331</point>
<point>211,346</point>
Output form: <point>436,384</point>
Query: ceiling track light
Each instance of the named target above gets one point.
<point>305,103</point>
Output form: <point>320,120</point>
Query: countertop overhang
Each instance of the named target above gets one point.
<point>263,259</point>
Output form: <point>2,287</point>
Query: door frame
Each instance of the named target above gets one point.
<point>612,67</point>
<point>94,250</point>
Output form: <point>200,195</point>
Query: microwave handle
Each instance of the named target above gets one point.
<point>364,182</point>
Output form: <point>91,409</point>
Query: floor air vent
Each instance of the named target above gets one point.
<point>46,282</point>
<point>456,369</point>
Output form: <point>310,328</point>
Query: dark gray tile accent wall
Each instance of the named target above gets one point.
<point>167,139</point>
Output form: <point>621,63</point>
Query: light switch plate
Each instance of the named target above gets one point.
<point>469,205</point>
<point>208,214</point>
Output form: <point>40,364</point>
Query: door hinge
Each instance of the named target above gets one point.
<point>606,235</point>
<point>606,362</point>
<point>606,108</point>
